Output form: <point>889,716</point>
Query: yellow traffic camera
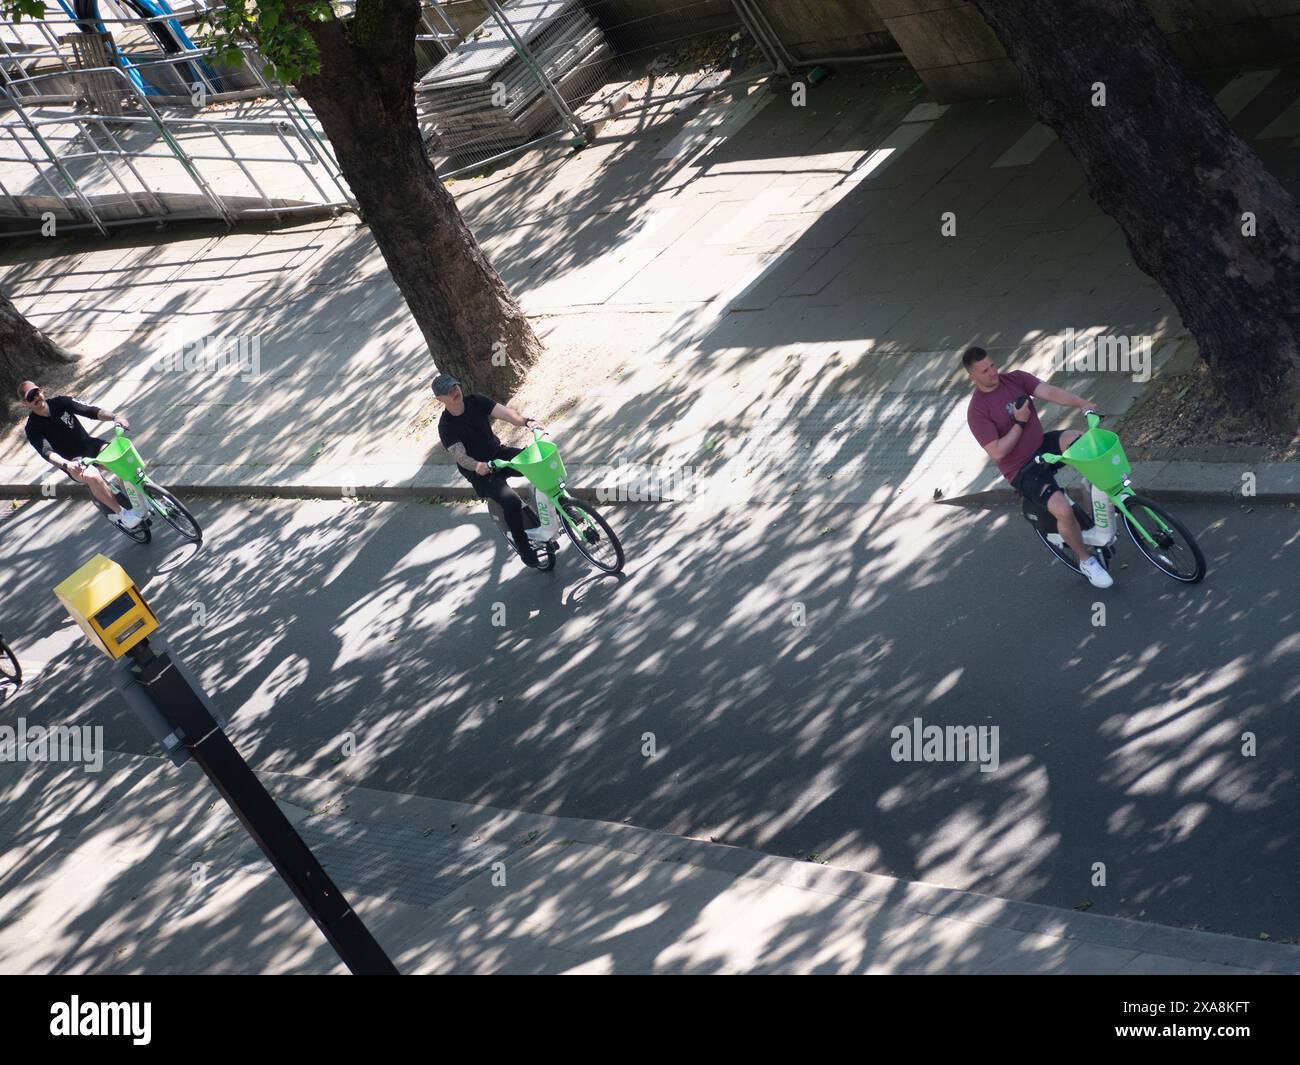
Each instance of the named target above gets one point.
<point>106,604</point>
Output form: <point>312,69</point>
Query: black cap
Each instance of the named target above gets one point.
<point>443,384</point>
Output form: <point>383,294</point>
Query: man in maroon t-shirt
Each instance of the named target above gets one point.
<point>1004,421</point>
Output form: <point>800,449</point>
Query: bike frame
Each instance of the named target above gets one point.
<point>1115,499</point>
<point>141,500</point>
<point>548,503</point>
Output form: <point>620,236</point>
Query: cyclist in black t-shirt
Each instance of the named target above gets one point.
<point>61,440</point>
<point>465,429</point>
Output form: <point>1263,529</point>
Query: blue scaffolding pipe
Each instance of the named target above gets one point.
<point>169,34</point>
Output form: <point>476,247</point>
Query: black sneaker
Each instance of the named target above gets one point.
<point>529,557</point>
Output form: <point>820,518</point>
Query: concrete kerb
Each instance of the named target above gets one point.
<point>367,493</point>
<point>464,493</point>
<point>1006,496</point>
<point>1182,481</point>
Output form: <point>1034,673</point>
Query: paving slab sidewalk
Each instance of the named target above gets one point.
<point>781,285</point>
<point>140,868</point>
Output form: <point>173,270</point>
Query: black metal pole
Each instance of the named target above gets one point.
<point>258,813</point>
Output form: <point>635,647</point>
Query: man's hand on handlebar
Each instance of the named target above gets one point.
<point>483,469</point>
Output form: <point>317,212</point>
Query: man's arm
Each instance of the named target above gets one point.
<point>986,433</point>
<point>1001,447</point>
<point>46,450</point>
<point>1052,394</point>
<point>462,459</point>
<point>509,414</point>
<point>96,413</point>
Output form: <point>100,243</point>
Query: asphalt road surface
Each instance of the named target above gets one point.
<point>743,682</point>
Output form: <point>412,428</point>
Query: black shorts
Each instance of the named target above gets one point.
<point>1037,481</point>
<point>98,445</point>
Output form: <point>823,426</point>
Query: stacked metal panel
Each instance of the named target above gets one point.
<point>484,97</point>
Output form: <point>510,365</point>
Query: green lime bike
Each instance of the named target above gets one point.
<point>590,533</point>
<point>124,471</point>
<point>1163,540</point>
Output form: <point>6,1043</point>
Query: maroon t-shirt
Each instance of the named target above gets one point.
<point>990,415</point>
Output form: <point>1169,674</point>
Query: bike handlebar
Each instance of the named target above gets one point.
<point>1094,419</point>
<point>538,432</point>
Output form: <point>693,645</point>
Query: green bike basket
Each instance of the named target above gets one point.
<point>1099,456</point>
<point>540,462</point>
<point>121,457</point>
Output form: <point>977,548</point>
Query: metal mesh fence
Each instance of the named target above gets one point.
<point>540,72</point>
<point>39,57</point>
<point>512,80</point>
<point>496,78</point>
<point>120,156</point>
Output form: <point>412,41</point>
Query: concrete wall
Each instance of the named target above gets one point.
<point>951,46</point>
<point>958,57</point>
<point>813,29</point>
<point>1207,33</point>
<point>810,29</point>
<point>632,25</point>
<point>465,15</point>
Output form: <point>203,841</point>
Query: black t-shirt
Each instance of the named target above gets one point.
<point>473,428</point>
<point>61,432</point>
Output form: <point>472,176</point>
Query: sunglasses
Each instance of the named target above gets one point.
<point>31,395</point>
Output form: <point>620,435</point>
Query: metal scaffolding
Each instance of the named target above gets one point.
<point>99,129</point>
<point>110,120</point>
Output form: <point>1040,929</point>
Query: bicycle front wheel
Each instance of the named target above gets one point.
<point>174,513</point>
<point>1170,547</point>
<point>591,535</point>
<point>10,670</point>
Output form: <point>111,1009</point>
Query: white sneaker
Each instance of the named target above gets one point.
<point>127,518</point>
<point>1096,573</point>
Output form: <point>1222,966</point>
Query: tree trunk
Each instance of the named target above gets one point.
<point>24,352</point>
<point>364,97</point>
<point>1161,159</point>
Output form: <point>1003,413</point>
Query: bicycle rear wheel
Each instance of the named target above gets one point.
<point>1175,551</point>
<point>545,555</point>
<point>1062,552</point>
<point>592,535</point>
<point>10,670</point>
<point>174,513</point>
<point>1065,555</point>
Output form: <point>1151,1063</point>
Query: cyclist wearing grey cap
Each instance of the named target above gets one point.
<point>465,430</point>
